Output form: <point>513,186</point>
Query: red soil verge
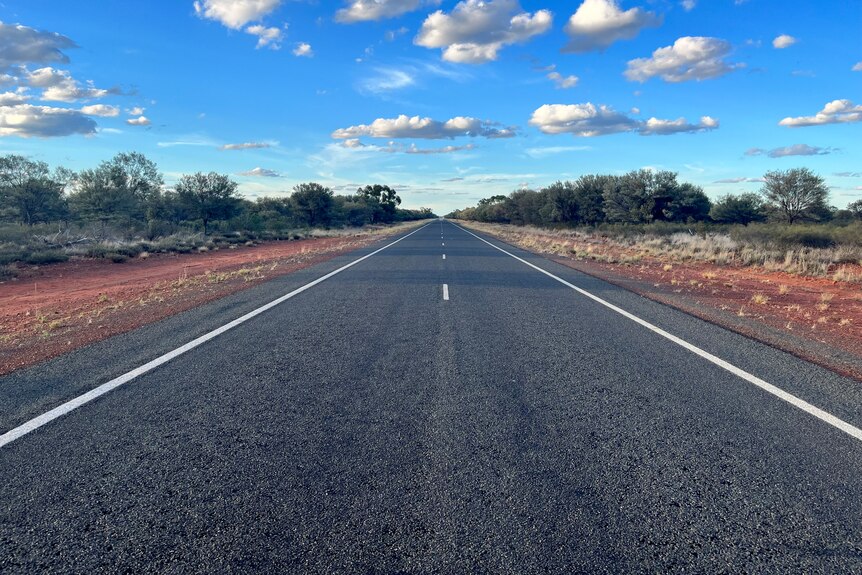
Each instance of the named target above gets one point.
<point>817,319</point>
<point>50,310</point>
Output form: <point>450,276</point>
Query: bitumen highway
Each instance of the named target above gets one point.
<point>437,402</point>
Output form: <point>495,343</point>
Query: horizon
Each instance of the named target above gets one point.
<point>447,102</point>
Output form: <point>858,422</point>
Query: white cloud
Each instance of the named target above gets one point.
<point>365,10</point>
<point>476,30</point>
<point>387,80</point>
<point>101,110</point>
<point>585,120</point>
<point>794,150</point>
<point>235,13</point>
<point>59,86</point>
<point>136,111</point>
<point>784,41</point>
<point>21,44</point>
<point>412,149</point>
<point>857,67</point>
<point>266,37</point>
<point>798,150</point>
<point>260,173</point>
<point>395,148</point>
<point>740,181</point>
<point>552,150</point>
<point>690,58</point>
<point>424,128</point>
<point>15,98</point>
<point>688,5</point>
<point>303,49</point>
<point>588,120</point>
<point>597,24</point>
<point>835,112</point>
<point>563,81</point>
<point>656,127</point>
<point>139,121</point>
<point>246,146</point>
<point>28,121</point>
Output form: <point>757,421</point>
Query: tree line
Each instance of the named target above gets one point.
<point>645,196</point>
<point>128,192</point>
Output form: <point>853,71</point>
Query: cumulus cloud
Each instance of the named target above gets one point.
<point>303,50</point>
<point>59,86</point>
<point>476,30</point>
<point>424,128</point>
<point>15,98</point>
<point>139,121</point>
<point>835,112</point>
<point>28,121</point>
<point>794,150</point>
<point>136,111</point>
<point>101,110</point>
<point>246,146</point>
<point>365,10</point>
<point>260,173</point>
<point>266,37</point>
<point>857,67</point>
<point>655,126</point>
<point>561,81</point>
<point>597,24</point>
<point>784,41</point>
<point>690,58</point>
<point>235,13</point>
<point>688,5</point>
<point>585,120</point>
<point>21,45</point>
<point>588,120</point>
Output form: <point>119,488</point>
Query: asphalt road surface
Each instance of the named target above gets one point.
<point>370,425</point>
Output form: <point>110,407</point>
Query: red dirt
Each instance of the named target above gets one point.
<point>818,319</point>
<point>50,310</point>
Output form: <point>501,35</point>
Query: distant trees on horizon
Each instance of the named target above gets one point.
<point>645,196</point>
<point>127,192</point>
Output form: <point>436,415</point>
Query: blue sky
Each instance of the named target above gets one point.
<point>448,102</point>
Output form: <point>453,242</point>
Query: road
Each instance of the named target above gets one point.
<point>368,425</point>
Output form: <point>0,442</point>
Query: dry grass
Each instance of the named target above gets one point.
<point>760,299</point>
<point>841,263</point>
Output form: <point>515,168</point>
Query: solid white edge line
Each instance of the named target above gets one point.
<point>446,292</point>
<point>824,416</point>
<point>101,390</point>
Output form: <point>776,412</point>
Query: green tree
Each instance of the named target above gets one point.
<point>855,208</point>
<point>29,191</point>
<point>589,197</point>
<point>208,197</point>
<point>384,197</point>
<point>742,209</point>
<point>313,204</point>
<point>796,194</point>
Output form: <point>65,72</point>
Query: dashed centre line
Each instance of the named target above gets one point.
<point>445,292</point>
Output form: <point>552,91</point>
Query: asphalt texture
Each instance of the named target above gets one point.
<point>369,426</point>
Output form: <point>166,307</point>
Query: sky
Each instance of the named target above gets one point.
<point>447,102</point>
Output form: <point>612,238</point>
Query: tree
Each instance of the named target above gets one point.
<point>560,206</point>
<point>28,191</point>
<point>384,197</point>
<point>589,192</point>
<point>102,196</point>
<point>313,204</point>
<point>855,208</point>
<point>796,194</point>
<point>208,197</point>
<point>742,209</point>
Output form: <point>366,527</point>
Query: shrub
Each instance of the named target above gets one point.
<point>47,257</point>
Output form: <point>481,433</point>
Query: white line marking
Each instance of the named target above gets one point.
<point>824,416</point>
<point>101,390</point>
<point>444,243</point>
<point>446,292</point>
<point>444,256</point>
